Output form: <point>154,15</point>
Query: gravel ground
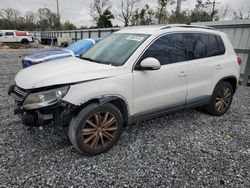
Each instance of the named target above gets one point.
<point>186,149</point>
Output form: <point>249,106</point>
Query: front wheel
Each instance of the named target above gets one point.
<point>221,99</point>
<point>96,128</point>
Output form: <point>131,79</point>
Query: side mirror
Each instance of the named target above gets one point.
<point>150,63</point>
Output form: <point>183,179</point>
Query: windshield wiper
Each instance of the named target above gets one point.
<point>87,58</point>
<point>93,60</point>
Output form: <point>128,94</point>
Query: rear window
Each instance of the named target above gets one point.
<point>204,45</point>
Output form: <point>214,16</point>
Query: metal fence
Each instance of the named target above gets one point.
<point>74,34</point>
<point>237,31</point>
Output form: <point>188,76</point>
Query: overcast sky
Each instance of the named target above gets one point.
<point>77,11</point>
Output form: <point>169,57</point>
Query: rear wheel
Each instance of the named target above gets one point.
<point>24,41</point>
<point>96,128</point>
<point>221,99</point>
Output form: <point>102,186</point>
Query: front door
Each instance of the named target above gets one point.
<point>8,37</point>
<point>165,88</point>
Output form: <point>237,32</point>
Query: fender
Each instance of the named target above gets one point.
<point>119,101</point>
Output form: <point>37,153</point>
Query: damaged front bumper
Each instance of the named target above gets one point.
<point>59,113</point>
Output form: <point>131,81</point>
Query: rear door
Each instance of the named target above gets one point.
<point>205,53</point>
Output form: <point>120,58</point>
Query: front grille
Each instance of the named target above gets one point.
<point>18,94</point>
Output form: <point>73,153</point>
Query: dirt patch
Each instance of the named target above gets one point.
<point>6,46</point>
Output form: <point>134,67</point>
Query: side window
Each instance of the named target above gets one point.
<point>168,49</point>
<point>221,45</point>
<point>198,46</point>
<point>204,45</point>
<point>9,34</point>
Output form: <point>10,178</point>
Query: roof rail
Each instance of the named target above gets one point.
<point>187,26</point>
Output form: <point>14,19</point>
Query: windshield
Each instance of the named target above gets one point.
<point>114,49</point>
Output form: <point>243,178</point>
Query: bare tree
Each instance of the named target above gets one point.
<point>48,19</point>
<point>98,7</point>
<point>30,20</point>
<point>30,17</point>
<point>224,12</point>
<point>241,14</point>
<point>126,10</point>
<point>9,14</point>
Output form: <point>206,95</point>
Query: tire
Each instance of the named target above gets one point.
<point>221,99</point>
<point>82,128</point>
<point>24,41</point>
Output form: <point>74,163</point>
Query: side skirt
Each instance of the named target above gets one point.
<point>198,102</point>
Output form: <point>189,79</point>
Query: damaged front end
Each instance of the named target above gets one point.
<point>37,107</point>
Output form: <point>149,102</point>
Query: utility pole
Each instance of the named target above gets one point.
<point>178,7</point>
<point>212,15</point>
<point>58,15</point>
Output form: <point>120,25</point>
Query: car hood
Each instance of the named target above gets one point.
<point>48,55</point>
<point>69,70</point>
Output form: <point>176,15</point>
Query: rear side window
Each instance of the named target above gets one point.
<point>204,45</point>
<point>168,49</point>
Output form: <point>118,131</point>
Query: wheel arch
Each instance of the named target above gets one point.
<point>232,80</point>
<point>118,101</point>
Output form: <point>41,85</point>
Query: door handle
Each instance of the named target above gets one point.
<point>218,67</point>
<point>182,74</point>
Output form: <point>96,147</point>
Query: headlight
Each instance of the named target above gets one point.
<point>44,98</point>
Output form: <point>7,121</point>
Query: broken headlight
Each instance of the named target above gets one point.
<point>44,98</point>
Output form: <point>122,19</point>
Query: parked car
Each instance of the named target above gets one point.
<point>134,74</point>
<point>74,49</point>
<point>13,36</point>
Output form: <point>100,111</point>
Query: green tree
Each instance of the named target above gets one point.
<point>69,26</point>
<point>144,16</point>
<point>204,11</point>
<point>179,17</point>
<point>105,19</point>
<point>162,14</point>
<point>101,14</point>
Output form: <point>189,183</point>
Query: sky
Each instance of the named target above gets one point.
<point>77,11</point>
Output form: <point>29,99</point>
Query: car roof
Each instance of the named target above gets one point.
<point>154,29</point>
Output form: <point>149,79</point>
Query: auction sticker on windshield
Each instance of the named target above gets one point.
<point>135,38</point>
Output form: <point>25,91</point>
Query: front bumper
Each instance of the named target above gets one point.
<point>60,113</point>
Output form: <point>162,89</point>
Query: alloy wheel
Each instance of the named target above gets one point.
<point>223,99</point>
<point>99,130</point>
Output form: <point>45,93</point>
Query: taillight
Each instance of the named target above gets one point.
<point>238,60</point>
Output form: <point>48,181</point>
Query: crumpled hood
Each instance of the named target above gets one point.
<point>69,70</point>
<point>48,55</point>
